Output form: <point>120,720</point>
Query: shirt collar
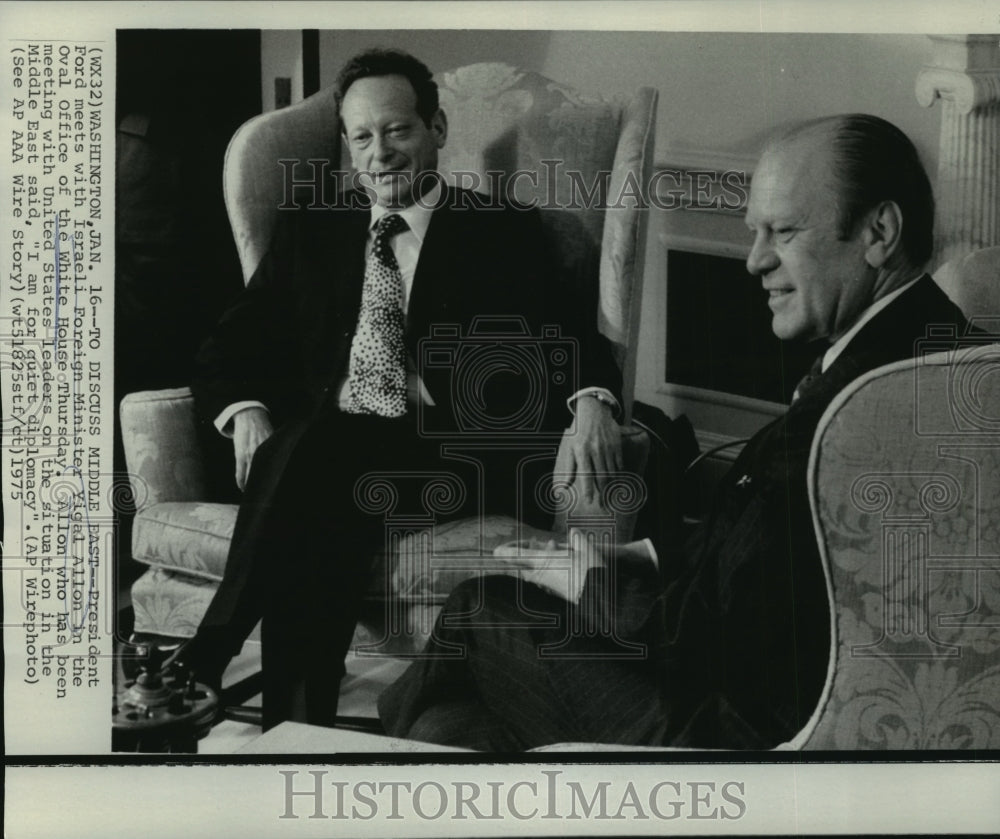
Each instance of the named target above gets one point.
<point>417,216</point>
<point>838,346</point>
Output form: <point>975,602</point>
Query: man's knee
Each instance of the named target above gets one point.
<point>492,592</point>
<point>501,603</point>
<point>461,723</point>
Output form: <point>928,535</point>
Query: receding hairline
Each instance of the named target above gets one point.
<point>398,76</point>
<point>821,128</point>
<point>822,135</point>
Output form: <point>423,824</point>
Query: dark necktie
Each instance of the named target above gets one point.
<point>377,371</point>
<point>807,381</point>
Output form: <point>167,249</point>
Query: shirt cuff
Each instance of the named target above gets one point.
<point>640,551</point>
<point>601,393</point>
<point>654,557</point>
<point>224,421</point>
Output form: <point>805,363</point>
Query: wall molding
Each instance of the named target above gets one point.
<point>686,159</point>
<point>703,244</point>
<point>702,181</point>
<point>725,400</point>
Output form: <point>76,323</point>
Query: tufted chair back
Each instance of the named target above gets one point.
<point>254,181</point>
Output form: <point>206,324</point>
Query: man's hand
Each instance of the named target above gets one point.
<point>595,448</point>
<point>559,568</point>
<point>251,427</point>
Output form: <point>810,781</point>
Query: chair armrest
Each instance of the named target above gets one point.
<point>162,455</point>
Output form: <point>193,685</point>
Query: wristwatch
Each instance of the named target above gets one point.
<point>603,399</point>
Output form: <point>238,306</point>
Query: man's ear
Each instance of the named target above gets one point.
<point>884,232</point>
<point>439,125</point>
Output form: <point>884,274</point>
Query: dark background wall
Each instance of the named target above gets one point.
<point>180,96</point>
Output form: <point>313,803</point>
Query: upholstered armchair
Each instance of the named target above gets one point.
<point>905,485</point>
<point>500,119</point>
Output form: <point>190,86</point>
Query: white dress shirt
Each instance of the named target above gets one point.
<point>838,346</point>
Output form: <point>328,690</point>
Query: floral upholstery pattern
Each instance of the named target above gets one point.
<point>170,603</point>
<point>167,603</point>
<point>192,538</point>
<point>161,447</point>
<point>908,518</point>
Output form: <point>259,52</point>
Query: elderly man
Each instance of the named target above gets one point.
<point>735,625</point>
<point>313,373</point>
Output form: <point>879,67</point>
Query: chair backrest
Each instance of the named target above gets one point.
<point>504,119</point>
<point>973,284</point>
<point>904,482</point>
<point>254,182</point>
<point>501,120</point>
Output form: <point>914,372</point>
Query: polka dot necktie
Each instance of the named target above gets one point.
<point>377,372</point>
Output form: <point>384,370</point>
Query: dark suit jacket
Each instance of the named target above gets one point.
<point>286,340</point>
<point>739,630</point>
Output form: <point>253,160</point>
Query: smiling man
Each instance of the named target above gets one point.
<point>393,145</point>
<point>736,621</point>
<point>313,372</point>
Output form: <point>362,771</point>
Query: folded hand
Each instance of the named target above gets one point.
<point>595,447</point>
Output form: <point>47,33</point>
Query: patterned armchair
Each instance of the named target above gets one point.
<point>905,485</point>
<point>500,119</point>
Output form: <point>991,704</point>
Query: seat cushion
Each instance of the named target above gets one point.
<point>170,603</point>
<point>192,538</point>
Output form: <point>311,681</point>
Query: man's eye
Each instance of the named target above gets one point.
<point>785,233</point>
<point>360,139</point>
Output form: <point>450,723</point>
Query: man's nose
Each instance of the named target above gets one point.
<point>762,257</point>
<point>382,149</point>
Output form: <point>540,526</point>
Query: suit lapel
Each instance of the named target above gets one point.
<point>432,293</point>
<point>892,333</point>
<point>346,255</point>
<point>889,336</point>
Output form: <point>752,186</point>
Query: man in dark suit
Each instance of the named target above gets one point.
<point>314,373</point>
<point>735,624</point>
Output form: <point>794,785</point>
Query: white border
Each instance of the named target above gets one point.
<point>242,800</point>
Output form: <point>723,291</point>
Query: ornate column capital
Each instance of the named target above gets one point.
<point>965,70</point>
<point>968,89</point>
